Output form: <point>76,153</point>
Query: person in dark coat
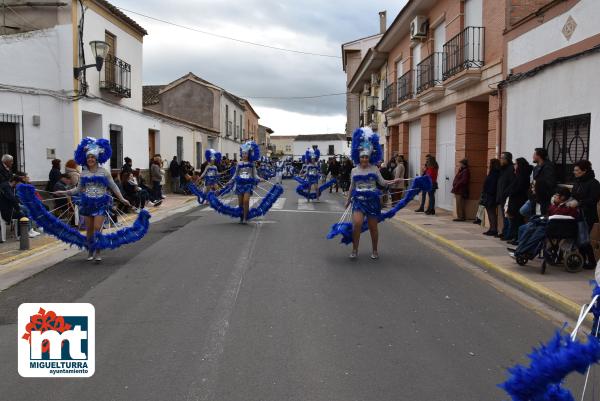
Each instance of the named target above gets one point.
<point>10,208</point>
<point>6,168</point>
<point>507,175</point>
<point>175,172</point>
<point>586,190</point>
<point>544,180</point>
<point>128,166</point>
<point>54,175</point>
<point>488,196</point>
<point>517,196</point>
<point>460,189</point>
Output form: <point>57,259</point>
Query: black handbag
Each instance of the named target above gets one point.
<point>583,231</point>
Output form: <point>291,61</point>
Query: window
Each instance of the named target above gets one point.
<point>179,148</point>
<point>235,134</point>
<point>116,144</point>
<point>331,151</point>
<point>567,141</point>
<point>288,148</point>
<point>227,120</point>
<point>198,154</point>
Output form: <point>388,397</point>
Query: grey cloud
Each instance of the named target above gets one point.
<point>251,71</point>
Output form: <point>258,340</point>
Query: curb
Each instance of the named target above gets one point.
<point>538,291</point>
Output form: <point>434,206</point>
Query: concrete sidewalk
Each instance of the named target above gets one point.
<point>16,265</point>
<point>565,291</point>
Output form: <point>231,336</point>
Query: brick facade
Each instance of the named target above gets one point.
<point>428,130</point>
<point>403,139</point>
<point>519,9</point>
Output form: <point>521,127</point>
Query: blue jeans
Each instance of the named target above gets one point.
<point>431,205</point>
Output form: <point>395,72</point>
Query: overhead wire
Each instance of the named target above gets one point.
<point>229,37</point>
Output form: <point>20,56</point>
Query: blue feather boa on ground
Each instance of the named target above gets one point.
<point>304,189</point>
<point>64,232</point>
<point>422,183</point>
<point>550,365</point>
<point>201,195</point>
<point>236,212</point>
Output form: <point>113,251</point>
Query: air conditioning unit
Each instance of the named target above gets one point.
<point>374,79</point>
<point>418,27</point>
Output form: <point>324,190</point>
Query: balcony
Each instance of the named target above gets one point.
<point>115,76</point>
<point>463,58</point>
<point>390,97</point>
<point>429,78</point>
<point>406,93</point>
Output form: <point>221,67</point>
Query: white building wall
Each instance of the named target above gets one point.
<point>564,90</point>
<point>228,145</point>
<point>129,49</point>
<point>548,37</point>
<point>341,147</point>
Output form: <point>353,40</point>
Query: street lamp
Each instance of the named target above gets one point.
<point>372,102</point>
<point>99,50</point>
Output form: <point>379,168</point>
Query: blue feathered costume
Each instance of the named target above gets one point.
<point>551,363</point>
<point>210,176</point>
<point>365,196</point>
<point>244,181</point>
<point>92,198</point>
<point>312,175</point>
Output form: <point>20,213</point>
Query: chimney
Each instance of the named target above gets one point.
<point>382,21</point>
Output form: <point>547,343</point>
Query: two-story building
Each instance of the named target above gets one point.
<point>330,145</point>
<point>46,107</point>
<point>443,59</point>
<point>264,140</point>
<point>282,145</point>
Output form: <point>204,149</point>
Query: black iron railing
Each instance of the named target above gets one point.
<point>464,51</point>
<point>390,97</point>
<point>115,76</point>
<point>429,72</point>
<point>405,87</point>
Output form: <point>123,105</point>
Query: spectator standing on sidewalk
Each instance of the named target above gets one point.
<point>544,180</point>
<point>54,175</point>
<point>128,166</point>
<point>586,190</point>
<point>400,185</point>
<point>6,168</point>
<point>175,173</point>
<point>345,171</point>
<point>156,176</point>
<point>431,170</point>
<point>460,189</point>
<point>488,196</point>
<point>72,170</point>
<point>507,175</point>
<point>517,196</point>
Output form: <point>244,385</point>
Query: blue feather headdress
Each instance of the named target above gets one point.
<point>365,141</point>
<point>312,154</point>
<point>252,149</point>
<point>97,147</point>
<point>213,155</point>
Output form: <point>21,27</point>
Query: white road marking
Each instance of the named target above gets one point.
<point>303,204</point>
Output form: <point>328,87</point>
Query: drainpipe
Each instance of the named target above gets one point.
<point>499,122</point>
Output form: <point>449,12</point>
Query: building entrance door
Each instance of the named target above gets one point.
<point>445,151</point>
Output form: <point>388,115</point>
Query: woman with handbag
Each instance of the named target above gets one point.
<point>586,190</point>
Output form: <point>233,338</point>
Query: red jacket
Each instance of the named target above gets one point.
<point>562,209</point>
<point>432,173</point>
<point>460,185</point>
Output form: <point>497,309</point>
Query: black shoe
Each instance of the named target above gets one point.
<point>514,243</point>
<point>507,239</point>
<point>419,210</point>
<point>430,212</point>
<point>513,250</point>
<point>477,221</point>
<point>491,233</point>
<point>459,220</point>
<point>589,266</point>
<point>501,236</point>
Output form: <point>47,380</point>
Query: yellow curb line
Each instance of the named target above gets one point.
<point>545,294</point>
<point>25,254</point>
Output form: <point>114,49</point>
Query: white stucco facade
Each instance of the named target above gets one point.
<point>36,83</point>
<point>549,37</point>
<point>229,145</point>
<point>563,90</point>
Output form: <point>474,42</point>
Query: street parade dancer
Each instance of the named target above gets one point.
<point>310,176</point>
<point>265,171</point>
<point>279,167</point>
<point>364,198</point>
<point>245,181</point>
<point>210,176</point>
<point>94,202</point>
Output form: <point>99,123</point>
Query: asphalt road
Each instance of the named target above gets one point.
<point>206,309</point>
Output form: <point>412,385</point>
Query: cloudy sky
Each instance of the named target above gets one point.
<point>307,25</point>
